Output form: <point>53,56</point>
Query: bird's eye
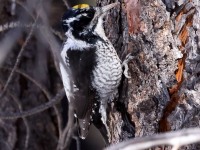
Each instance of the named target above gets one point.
<point>84,14</point>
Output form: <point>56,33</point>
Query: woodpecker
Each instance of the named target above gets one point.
<point>90,68</point>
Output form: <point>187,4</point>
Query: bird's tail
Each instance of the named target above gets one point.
<point>84,125</point>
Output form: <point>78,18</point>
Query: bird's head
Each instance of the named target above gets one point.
<point>83,19</point>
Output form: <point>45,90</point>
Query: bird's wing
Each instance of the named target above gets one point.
<point>77,80</point>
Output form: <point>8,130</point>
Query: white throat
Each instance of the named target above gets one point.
<point>73,43</point>
<point>99,29</point>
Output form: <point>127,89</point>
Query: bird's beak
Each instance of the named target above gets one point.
<point>108,7</point>
<point>102,10</point>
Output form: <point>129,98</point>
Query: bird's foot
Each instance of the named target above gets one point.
<point>125,64</point>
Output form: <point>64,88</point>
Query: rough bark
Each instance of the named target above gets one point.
<point>163,92</point>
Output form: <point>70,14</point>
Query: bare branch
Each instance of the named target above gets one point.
<point>24,119</point>
<point>48,30</point>
<point>27,10</point>
<point>6,144</point>
<point>65,138</point>
<point>13,7</point>
<point>57,33</point>
<point>18,60</point>
<point>17,24</point>
<point>66,3</point>
<point>35,110</point>
<point>175,139</point>
<point>43,89</point>
<point>78,144</point>
<point>71,127</point>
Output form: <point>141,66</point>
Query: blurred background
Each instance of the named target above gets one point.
<point>30,38</point>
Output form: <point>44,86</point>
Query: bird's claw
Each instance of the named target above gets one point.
<point>125,65</point>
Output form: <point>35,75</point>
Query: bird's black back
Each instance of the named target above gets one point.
<point>81,64</point>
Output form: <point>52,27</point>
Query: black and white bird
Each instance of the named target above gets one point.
<point>91,69</point>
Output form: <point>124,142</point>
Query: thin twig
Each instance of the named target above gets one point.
<point>13,7</point>
<point>24,119</point>
<point>65,138</point>
<point>40,86</point>
<point>57,33</point>
<point>66,3</point>
<point>55,48</point>
<point>42,14</point>
<point>53,31</point>
<point>6,144</point>
<point>71,127</point>
<point>78,144</point>
<point>52,42</point>
<point>44,90</point>
<point>17,24</point>
<point>27,10</point>
<point>175,139</point>
<point>18,60</point>
<point>35,110</point>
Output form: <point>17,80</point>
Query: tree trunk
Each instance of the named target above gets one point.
<point>163,92</point>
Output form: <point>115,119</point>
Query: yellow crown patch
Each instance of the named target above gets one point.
<point>80,6</point>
